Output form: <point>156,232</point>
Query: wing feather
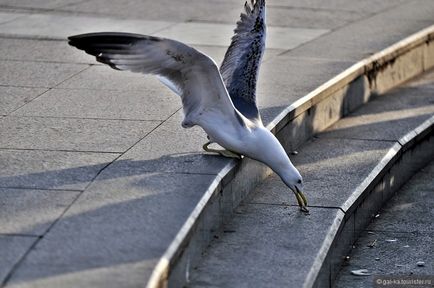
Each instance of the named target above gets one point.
<point>240,66</point>
<point>186,71</point>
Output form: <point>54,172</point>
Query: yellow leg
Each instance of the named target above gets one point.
<point>225,153</point>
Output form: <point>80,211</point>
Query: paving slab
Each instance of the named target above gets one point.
<point>11,98</point>
<point>95,135</point>
<point>12,248</point>
<point>387,117</point>
<point>291,16</point>
<point>38,3</point>
<point>170,148</point>
<point>373,34</point>
<point>103,78</point>
<point>403,236</point>
<point>260,237</point>
<point>50,169</point>
<point>369,6</point>
<point>62,26</point>
<point>116,231</point>
<point>6,17</point>
<point>394,257</point>
<point>412,209</point>
<point>332,168</point>
<point>283,16</point>
<point>30,211</point>
<point>181,11</point>
<point>41,50</point>
<point>283,80</point>
<point>111,230</point>
<point>36,74</point>
<point>152,104</point>
<point>220,34</point>
<point>411,10</point>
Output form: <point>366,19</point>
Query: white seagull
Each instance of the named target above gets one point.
<point>222,102</point>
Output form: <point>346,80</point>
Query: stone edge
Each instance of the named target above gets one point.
<point>409,154</point>
<point>294,125</point>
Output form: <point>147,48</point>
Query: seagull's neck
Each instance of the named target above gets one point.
<point>269,151</point>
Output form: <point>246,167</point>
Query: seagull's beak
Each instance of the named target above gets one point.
<point>301,199</point>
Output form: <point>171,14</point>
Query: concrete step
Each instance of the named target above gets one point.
<point>136,210</point>
<point>350,170</point>
<point>398,238</point>
<point>297,123</point>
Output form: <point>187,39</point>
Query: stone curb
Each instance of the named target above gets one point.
<point>293,126</point>
<point>411,153</point>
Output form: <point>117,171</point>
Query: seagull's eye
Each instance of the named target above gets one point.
<point>299,181</point>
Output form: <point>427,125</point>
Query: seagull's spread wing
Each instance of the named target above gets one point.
<point>186,71</point>
<point>243,58</point>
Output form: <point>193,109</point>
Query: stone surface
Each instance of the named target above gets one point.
<point>12,248</point>
<point>412,209</point>
<point>259,248</point>
<point>331,168</point>
<point>220,34</point>
<point>369,6</point>
<point>72,134</point>
<point>44,4</point>
<point>50,169</point>
<point>424,81</point>
<point>41,50</point>
<point>181,11</point>
<point>104,78</point>
<point>155,103</point>
<point>373,34</point>
<point>35,74</point>
<point>283,80</point>
<point>129,212</point>
<point>411,10</point>
<point>11,98</point>
<point>46,207</point>
<point>291,16</point>
<point>171,148</point>
<point>6,17</point>
<point>387,117</point>
<point>117,228</point>
<point>62,26</point>
<point>407,221</point>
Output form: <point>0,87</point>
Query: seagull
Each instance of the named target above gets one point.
<point>221,101</point>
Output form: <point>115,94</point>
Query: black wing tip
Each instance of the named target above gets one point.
<point>86,39</point>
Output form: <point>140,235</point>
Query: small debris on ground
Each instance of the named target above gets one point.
<point>377,258</point>
<point>420,264</point>
<point>361,272</point>
<point>294,152</point>
<point>372,244</point>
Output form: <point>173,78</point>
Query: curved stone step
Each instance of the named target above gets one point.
<point>307,116</point>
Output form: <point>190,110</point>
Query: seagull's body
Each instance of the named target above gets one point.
<point>222,102</point>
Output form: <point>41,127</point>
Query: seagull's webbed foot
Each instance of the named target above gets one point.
<point>302,201</point>
<point>225,153</point>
